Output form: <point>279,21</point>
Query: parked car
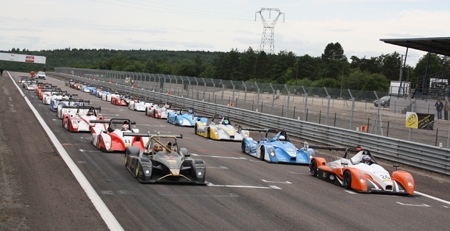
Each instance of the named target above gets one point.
<point>41,75</point>
<point>384,101</point>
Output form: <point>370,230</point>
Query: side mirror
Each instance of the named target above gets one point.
<point>184,152</point>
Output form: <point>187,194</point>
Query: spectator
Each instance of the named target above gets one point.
<point>439,106</point>
<point>32,74</point>
<point>446,108</point>
<point>417,90</point>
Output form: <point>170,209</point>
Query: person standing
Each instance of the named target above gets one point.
<point>439,106</point>
<point>446,109</point>
<point>32,74</point>
<point>417,91</point>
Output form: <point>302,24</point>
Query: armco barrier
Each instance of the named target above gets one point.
<point>405,152</point>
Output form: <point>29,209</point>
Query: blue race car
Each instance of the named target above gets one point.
<point>276,147</point>
<point>183,117</point>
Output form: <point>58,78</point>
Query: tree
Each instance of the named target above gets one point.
<point>334,51</point>
<point>185,67</point>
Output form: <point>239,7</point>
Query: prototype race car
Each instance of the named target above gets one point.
<point>222,130</point>
<point>139,104</point>
<point>113,139</point>
<point>120,100</point>
<point>159,112</point>
<point>70,107</point>
<point>183,117</point>
<point>163,161</point>
<point>60,99</point>
<point>276,147</point>
<point>48,96</point>
<point>358,170</point>
<point>80,122</point>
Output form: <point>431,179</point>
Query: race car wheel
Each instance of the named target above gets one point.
<point>347,180</point>
<point>313,169</point>
<point>263,152</point>
<point>243,146</point>
<point>195,129</point>
<point>126,159</point>
<point>154,114</point>
<point>209,134</point>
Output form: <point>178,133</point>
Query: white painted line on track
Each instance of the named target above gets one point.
<point>351,192</point>
<point>276,182</point>
<point>415,205</point>
<point>220,157</point>
<point>220,167</point>
<point>199,195</point>
<point>101,207</point>
<point>432,197</point>
<point>84,150</point>
<point>243,186</point>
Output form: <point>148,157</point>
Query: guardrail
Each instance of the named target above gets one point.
<point>410,153</point>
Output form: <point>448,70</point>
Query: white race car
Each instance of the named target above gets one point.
<point>139,104</point>
<point>70,107</point>
<point>222,130</point>
<point>159,112</point>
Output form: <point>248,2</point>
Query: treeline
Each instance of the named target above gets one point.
<point>332,69</point>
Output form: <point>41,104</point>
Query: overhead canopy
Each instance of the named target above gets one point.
<point>437,45</point>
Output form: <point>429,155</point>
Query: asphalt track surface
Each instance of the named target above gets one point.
<point>244,193</point>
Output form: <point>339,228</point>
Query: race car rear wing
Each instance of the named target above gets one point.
<point>78,101</point>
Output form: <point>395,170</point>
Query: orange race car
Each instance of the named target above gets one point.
<point>359,171</point>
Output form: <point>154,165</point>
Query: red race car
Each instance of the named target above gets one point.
<point>80,121</point>
<point>113,139</point>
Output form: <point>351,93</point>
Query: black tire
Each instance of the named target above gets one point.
<point>347,180</point>
<point>243,146</point>
<point>208,134</point>
<point>313,169</point>
<point>154,114</point>
<point>263,152</point>
<point>195,129</point>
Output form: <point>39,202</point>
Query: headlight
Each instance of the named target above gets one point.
<point>107,145</point>
<point>181,121</point>
<point>74,123</point>
<point>272,152</point>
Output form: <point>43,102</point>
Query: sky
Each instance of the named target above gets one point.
<point>301,27</point>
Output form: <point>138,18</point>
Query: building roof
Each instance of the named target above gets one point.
<point>437,45</point>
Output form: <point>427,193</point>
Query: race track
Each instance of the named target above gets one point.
<point>244,193</point>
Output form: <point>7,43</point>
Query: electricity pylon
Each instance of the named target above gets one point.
<point>268,35</point>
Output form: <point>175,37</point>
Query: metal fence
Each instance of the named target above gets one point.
<point>343,108</point>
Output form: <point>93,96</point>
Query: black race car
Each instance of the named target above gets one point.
<point>163,161</point>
